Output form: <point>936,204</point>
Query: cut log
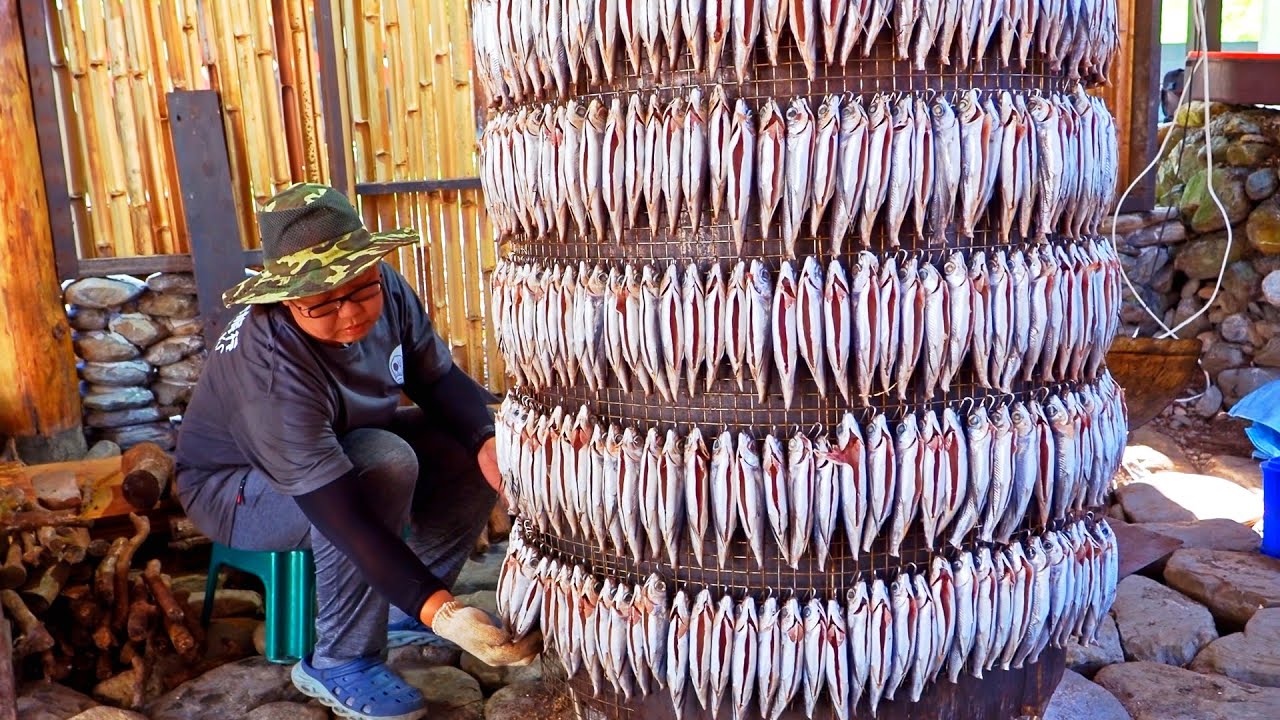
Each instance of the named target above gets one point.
<point>65,543</point>
<point>171,611</point>
<point>35,519</point>
<point>104,581</point>
<point>147,469</point>
<point>57,489</point>
<point>34,638</point>
<point>13,573</point>
<point>141,528</point>
<point>56,666</point>
<point>8,682</point>
<point>32,551</point>
<point>43,587</point>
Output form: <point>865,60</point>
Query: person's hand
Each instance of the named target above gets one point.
<point>488,459</point>
<point>472,630</point>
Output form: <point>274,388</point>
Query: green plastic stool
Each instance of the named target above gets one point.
<point>289,580</point>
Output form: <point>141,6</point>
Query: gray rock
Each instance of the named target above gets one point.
<point>492,678</point>
<point>87,318</point>
<point>1238,382</point>
<point>180,327</point>
<point>1252,656</point>
<point>486,600</point>
<point>1234,585</point>
<point>141,330</point>
<point>230,690</point>
<point>103,449</point>
<point>1169,233</point>
<point>288,711</point>
<point>1210,402</point>
<point>1263,229</point>
<point>1124,224</point>
<point>1178,497</point>
<point>1228,184</point>
<point>1142,269</point>
<point>1153,691</point>
<point>125,373</point>
<point>227,603</point>
<point>1271,287</point>
<point>1237,329</point>
<point>1202,259</point>
<point>121,418</point>
<point>451,693</point>
<point>481,573</point>
<point>106,712</point>
<point>1269,355</point>
<point>186,370</point>
<point>527,700</point>
<point>1157,451</point>
<point>180,283</point>
<point>51,701</point>
<point>103,346</point>
<point>172,393</point>
<point>168,305</point>
<point>1159,624</point>
<point>1243,471</point>
<point>1187,308</point>
<point>161,433</point>
<point>1105,650</point>
<point>1222,356</point>
<point>171,350</point>
<point>118,399</point>
<point>1261,184</point>
<point>422,656</point>
<point>103,293</point>
<point>1213,534</point>
<point>1077,698</point>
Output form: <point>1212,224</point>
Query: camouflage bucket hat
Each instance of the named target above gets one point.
<point>312,241</point>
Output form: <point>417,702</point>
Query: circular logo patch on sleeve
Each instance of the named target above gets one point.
<point>396,365</point>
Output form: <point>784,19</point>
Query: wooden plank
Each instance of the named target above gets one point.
<point>1140,548</point>
<point>1143,116</point>
<point>44,104</point>
<point>102,267</point>
<point>394,187</point>
<point>99,480</point>
<point>204,175</point>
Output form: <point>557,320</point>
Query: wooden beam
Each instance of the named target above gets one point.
<point>204,177</point>
<point>44,105</point>
<point>148,264</point>
<point>1144,105</point>
<point>394,187</point>
<point>1212,21</point>
<point>331,100</point>
<point>39,391</point>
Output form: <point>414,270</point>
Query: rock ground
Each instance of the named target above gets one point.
<point>1160,624</point>
<point>1077,698</point>
<point>1248,656</point>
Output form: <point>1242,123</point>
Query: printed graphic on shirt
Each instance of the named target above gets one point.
<point>396,365</point>
<point>230,338</point>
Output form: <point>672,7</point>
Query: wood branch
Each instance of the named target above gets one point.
<point>187,544</point>
<point>182,527</point>
<point>43,587</point>
<point>66,544</point>
<point>172,612</point>
<point>147,469</point>
<point>141,529</point>
<point>99,547</point>
<point>138,625</point>
<point>105,667</point>
<point>33,519</point>
<point>103,639</point>
<point>8,681</point>
<point>32,551</point>
<point>56,666</point>
<point>104,582</point>
<point>13,573</point>
<point>34,638</point>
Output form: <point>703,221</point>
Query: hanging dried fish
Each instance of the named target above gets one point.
<point>810,322</point>
<point>679,641</point>
<point>714,324</point>
<point>738,324</point>
<point>912,301</point>
<point>826,154</point>
<point>746,26</point>
<point>701,646</point>
<point>851,167</point>
<point>606,27</point>
<point>880,644</point>
<point>698,496</point>
<point>773,466</point>
<point>933,291</point>
<point>837,326</point>
<point>864,293</point>
<point>653,314</point>
<point>804,28</point>
<point>669,23</point>
<point>654,176</point>
<point>692,20</point>
<point>826,501</point>
<point>878,169</point>
<point>889,320</point>
<point>694,327</point>
<point>744,659</point>
<point>815,637</point>
<point>882,471</point>
<point>723,512</point>
<point>802,474</point>
<point>761,325</point>
<point>635,151</point>
<point>739,164</point>
<point>592,165</point>
<point>902,175</point>
<point>718,28</point>
<point>946,168</point>
<point>975,131</point>
<point>850,456</point>
<point>673,133</point>
<point>719,133</point>
<point>799,151</point>
<point>749,493</point>
<point>784,328</point>
<point>613,172</point>
<point>695,158</point>
<point>775,17</point>
<point>905,14</point>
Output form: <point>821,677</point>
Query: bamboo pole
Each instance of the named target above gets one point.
<point>288,59</point>
<point>437,291</point>
<point>497,372</point>
<point>253,106</point>
<point>276,147</point>
<point>118,54</point>
<point>96,187</point>
<point>141,42</point>
<point>300,49</point>
<point>168,51</point>
<point>221,52</point>
<point>64,81</point>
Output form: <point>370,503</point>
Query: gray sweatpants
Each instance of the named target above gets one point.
<point>414,472</point>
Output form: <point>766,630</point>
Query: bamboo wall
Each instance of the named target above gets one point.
<point>113,62</point>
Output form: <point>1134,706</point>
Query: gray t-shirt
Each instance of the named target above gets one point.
<point>272,398</point>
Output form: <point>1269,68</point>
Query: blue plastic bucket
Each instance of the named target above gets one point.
<point>1271,507</point>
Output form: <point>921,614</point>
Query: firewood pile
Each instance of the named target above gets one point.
<point>83,607</point>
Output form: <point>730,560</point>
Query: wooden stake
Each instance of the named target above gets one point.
<point>34,638</point>
<point>13,573</point>
<point>172,612</point>
<point>141,528</point>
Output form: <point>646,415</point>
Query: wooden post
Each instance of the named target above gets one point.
<point>39,393</point>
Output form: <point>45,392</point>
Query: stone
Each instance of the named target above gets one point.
<point>228,603</point>
<point>451,693</point>
<point>1212,534</point>
<point>1271,288</point>
<point>1123,225</point>
<point>1158,624</point>
<point>486,600</point>
<point>169,305</point>
<point>492,678</point>
<point>106,712</point>
<point>181,327</point>
<point>173,393</point>
<point>123,373</point>
<point>1167,496</point>
<point>181,283</point>
<point>1167,233</point>
<point>229,639</point>
<point>161,433</point>
<point>1105,650</point>
<point>1261,184</point>
<point>103,449</point>
<point>103,293</point>
<point>1077,698</point>
<point>1240,381</point>
<point>1202,211</point>
<point>1142,270</point>
<point>288,711</point>
<point>171,350</point>
<point>411,656</point>
<point>1161,451</point>
<point>1269,355</point>
<point>1154,691</point>
<point>1234,585</point>
<point>1250,154</point>
<point>1201,259</point>
<point>1222,356</point>
<point>481,573</point>
<point>87,318</point>
<point>1236,328</point>
<point>141,330</point>
<point>1209,403</point>
<point>1252,656</point>
<point>229,690</point>
<point>186,370</point>
<point>103,346</point>
<point>1188,308</point>
<point>1163,281</point>
<point>121,418</point>
<point>1245,472</point>
<point>118,399</point>
<point>526,700</point>
<point>1263,229</point>
<point>51,701</point>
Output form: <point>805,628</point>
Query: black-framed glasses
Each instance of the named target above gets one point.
<point>364,293</point>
